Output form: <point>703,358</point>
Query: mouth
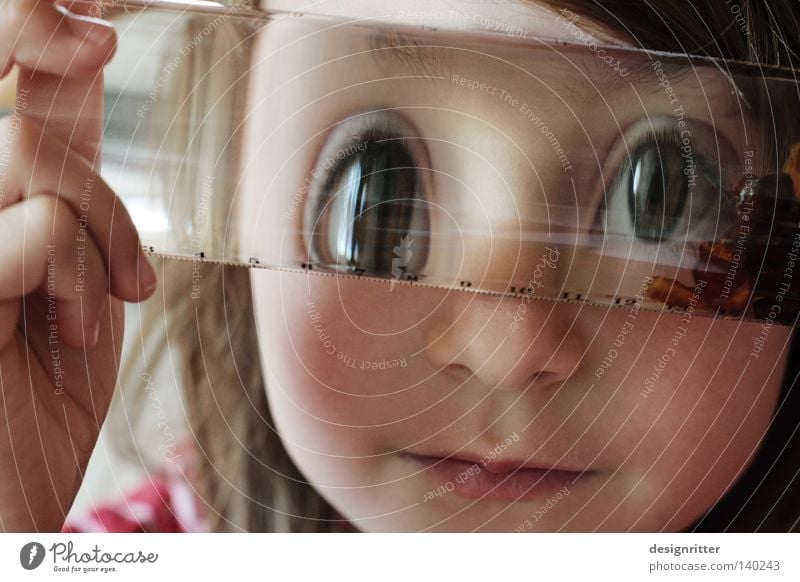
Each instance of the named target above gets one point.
<point>500,480</point>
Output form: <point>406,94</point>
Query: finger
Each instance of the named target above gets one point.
<point>69,104</point>
<point>52,167</point>
<point>43,247</point>
<point>39,35</point>
<point>9,315</point>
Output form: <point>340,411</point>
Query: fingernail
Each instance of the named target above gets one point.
<point>147,275</point>
<point>94,30</point>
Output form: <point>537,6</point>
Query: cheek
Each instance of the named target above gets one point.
<point>709,384</point>
<point>342,358</point>
<point>697,414</point>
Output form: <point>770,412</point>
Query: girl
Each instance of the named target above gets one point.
<point>476,427</point>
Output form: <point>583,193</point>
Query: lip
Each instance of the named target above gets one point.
<point>507,480</point>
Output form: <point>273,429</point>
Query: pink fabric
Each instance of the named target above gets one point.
<point>165,503</point>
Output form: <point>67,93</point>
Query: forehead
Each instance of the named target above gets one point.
<point>310,54</point>
<point>514,19</point>
<point>476,91</point>
<point>518,17</point>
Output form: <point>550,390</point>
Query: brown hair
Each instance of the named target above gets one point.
<point>251,484</point>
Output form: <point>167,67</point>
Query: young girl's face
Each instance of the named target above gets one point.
<point>426,409</point>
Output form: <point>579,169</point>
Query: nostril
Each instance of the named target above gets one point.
<point>543,379</point>
<point>535,381</point>
<point>540,379</point>
<point>458,372</point>
<point>470,343</point>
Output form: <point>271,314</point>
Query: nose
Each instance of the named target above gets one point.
<point>506,343</point>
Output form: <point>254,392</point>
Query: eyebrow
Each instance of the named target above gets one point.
<point>641,75</point>
<point>395,48</point>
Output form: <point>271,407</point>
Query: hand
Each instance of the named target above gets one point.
<point>69,256</point>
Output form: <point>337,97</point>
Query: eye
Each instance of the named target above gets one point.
<point>656,190</point>
<point>368,213</point>
<point>666,191</point>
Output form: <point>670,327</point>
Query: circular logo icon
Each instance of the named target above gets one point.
<point>31,555</point>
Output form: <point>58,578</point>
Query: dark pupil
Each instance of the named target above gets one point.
<point>372,205</point>
<point>657,190</point>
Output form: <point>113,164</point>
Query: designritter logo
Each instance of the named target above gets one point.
<point>31,555</point>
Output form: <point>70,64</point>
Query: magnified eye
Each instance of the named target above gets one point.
<point>656,189</point>
<point>659,195</point>
<point>370,214</point>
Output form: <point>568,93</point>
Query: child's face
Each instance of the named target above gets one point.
<point>410,408</point>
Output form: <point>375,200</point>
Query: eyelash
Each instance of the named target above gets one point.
<point>388,127</point>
